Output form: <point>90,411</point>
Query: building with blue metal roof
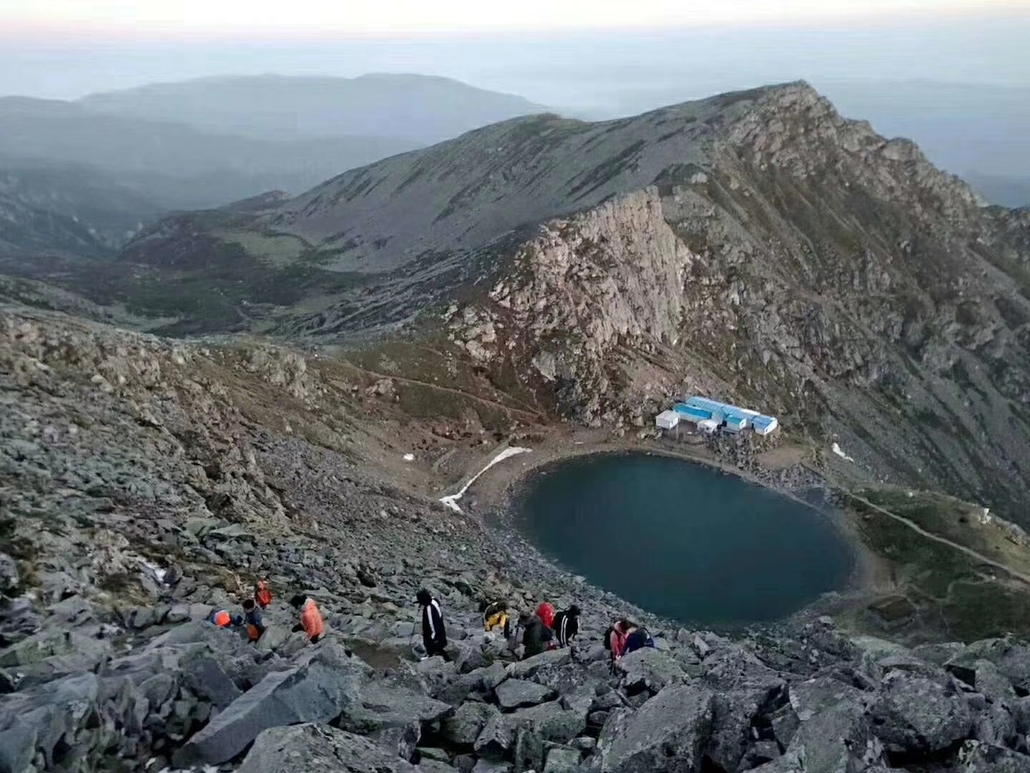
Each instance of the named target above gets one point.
<point>730,417</point>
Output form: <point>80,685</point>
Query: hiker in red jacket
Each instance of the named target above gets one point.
<point>545,612</point>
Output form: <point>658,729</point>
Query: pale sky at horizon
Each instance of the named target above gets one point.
<point>391,17</point>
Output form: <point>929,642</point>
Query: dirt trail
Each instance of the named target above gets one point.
<point>536,415</point>
<point>943,540</point>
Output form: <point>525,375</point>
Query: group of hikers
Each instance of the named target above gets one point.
<point>540,630</point>
<point>311,621</point>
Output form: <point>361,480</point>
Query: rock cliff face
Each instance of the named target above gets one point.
<point>608,280</point>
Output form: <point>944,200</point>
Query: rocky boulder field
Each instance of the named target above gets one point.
<point>146,483</point>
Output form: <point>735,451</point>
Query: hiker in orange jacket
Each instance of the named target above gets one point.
<point>262,595</point>
<point>311,621</point>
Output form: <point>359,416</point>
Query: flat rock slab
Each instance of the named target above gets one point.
<point>649,669</point>
<point>316,748</point>
<point>464,727</point>
<point>526,669</point>
<point>915,714</point>
<point>318,692</point>
<point>667,735</point>
<point>380,707</point>
<point>518,693</point>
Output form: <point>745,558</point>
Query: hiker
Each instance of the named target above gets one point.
<point>566,626</point>
<point>546,613</point>
<point>434,635</point>
<point>311,622</point>
<point>496,616</point>
<point>637,639</point>
<point>262,595</point>
<point>535,635</point>
<point>615,637</point>
<point>252,619</point>
<point>222,619</point>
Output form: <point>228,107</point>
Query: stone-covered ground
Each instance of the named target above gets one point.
<point>143,484</point>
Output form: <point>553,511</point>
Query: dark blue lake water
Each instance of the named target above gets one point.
<point>682,540</point>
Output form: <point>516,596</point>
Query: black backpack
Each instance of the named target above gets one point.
<point>608,637</point>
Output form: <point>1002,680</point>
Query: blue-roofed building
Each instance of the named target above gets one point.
<point>730,417</point>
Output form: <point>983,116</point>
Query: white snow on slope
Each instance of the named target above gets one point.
<point>840,452</point>
<point>452,500</point>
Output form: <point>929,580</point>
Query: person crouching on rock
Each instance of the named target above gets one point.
<point>566,626</point>
<point>495,617</point>
<point>536,636</point>
<point>222,619</point>
<point>252,619</point>
<point>615,637</point>
<point>434,635</point>
<point>311,621</point>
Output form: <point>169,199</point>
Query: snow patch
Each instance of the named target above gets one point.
<point>452,500</point>
<point>154,570</point>
<point>840,452</point>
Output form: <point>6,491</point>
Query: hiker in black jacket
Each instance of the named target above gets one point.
<point>566,626</point>
<point>434,635</point>
<point>535,635</point>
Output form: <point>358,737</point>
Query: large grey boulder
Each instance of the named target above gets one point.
<point>518,693</point>
<point>649,669</point>
<point>667,735</point>
<point>1011,656</point>
<point>317,692</point>
<point>562,760</point>
<point>315,748</point>
<point>9,576</point>
<point>832,723</point>
<point>916,714</point>
<point>745,688</point>
<point>46,719</point>
<point>497,737</point>
<point>204,675</point>
<point>526,669</point>
<point>465,725</point>
<point>977,757</point>
<point>551,721</point>
<point>379,706</point>
<point>529,751</point>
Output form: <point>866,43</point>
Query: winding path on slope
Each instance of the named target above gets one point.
<point>501,406</point>
<point>943,540</point>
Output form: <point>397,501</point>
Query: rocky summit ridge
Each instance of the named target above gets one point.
<point>755,245</point>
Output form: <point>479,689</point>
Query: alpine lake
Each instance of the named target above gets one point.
<point>684,541</point>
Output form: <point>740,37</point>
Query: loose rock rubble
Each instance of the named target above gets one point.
<point>137,503</point>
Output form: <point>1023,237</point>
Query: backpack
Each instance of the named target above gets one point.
<point>638,640</point>
<point>608,637</point>
<point>546,613</point>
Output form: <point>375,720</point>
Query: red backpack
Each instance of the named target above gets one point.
<point>546,613</point>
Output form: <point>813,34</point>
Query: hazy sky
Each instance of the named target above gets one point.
<point>390,17</point>
<point>583,55</point>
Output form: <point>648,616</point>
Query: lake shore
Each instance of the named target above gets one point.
<point>496,491</point>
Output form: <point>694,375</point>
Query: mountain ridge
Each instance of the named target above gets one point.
<point>419,108</point>
<point>831,273</point>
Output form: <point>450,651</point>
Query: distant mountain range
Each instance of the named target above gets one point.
<point>85,175</point>
<point>417,109</point>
